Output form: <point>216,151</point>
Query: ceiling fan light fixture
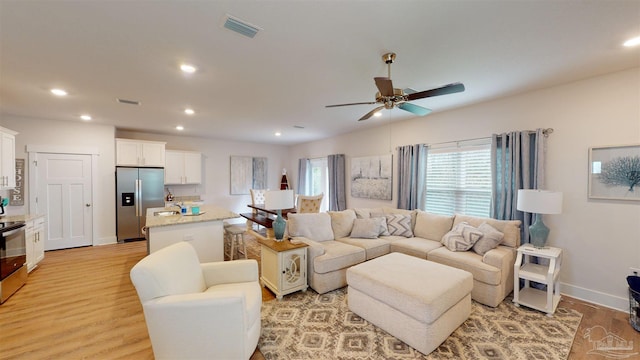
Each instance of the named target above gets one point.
<point>378,114</point>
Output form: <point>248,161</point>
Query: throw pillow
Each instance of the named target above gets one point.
<point>314,226</point>
<point>384,229</point>
<point>366,228</point>
<point>461,238</point>
<point>342,222</point>
<point>399,225</point>
<point>490,239</point>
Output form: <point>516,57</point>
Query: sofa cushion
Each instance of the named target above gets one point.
<point>414,246</point>
<point>510,228</point>
<point>365,213</point>
<point>372,247</point>
<point>314,226</point>
<point>432,226</point>
<point>469,261</point>
<point>399,225</point>
<point>366,228</point>
<point>490,239</point>
<point>338,255</point>
<point>461,237</point>
<point>342,222</point>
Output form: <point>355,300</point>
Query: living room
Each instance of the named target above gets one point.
<point>600,238</point>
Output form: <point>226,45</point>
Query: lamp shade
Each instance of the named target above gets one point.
<point>540,201</point>
<point>278,200</point>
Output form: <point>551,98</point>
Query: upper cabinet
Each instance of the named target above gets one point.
<point>183,167</point>
<point>7,158</point>
<point>139,153</point>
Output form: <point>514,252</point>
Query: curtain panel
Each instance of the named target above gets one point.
<point>412,167</point>
<point>517,162</point>
<point>303,176</point>
<point>337,180</point>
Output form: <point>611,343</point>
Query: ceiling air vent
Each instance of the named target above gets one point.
<point>128,102</point>
<point>240,26</point>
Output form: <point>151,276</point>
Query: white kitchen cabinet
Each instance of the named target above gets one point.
<point>182,167</point>
<point>34,239</point>
<point>140,153</point>
<point>7,158</point>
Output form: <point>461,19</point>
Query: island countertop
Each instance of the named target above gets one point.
<point>207,213</point>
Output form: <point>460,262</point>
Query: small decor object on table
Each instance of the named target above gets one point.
<point>614,172</point>
<point>278,200</point>
<point>529,271</point>
<point>283,266</point>
<point>539,202</point>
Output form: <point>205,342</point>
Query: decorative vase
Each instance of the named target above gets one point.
<point>538,232</point>
<point>278,226</point>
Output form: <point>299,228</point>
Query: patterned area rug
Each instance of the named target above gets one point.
<point>312,326</point>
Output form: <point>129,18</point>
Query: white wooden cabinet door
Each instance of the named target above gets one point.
<point>173,167</point>
<point>39,231</point>
<point>139,153</point>
<point>7,159</point>
<point>192,168</point>
<point>29,239</point>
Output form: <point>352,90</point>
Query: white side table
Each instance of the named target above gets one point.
<point>527,270</point>
<point>283,266</point>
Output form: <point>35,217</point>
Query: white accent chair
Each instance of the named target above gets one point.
<point>199,310</point>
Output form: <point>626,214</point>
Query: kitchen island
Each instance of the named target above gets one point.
<point>205,231</point>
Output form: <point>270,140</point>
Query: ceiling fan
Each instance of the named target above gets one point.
<point>390,97</point>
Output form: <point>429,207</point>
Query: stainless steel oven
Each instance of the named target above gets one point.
<point>13,257</point>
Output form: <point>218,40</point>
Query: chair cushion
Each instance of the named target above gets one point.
<point>173,270</point>
<point>314,226</point>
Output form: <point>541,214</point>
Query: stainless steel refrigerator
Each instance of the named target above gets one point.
<point>136,190</point>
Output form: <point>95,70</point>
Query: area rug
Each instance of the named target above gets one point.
<point>312,326</point>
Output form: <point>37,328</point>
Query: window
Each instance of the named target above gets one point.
<point>319,180</point>
<point>459,180</point>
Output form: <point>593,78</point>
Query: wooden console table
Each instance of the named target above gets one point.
<point>263,217</point>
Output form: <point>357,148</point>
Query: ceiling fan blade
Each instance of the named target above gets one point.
<point>444,90</point>
<point>358,103</point>
<point>408,91</point>
<point>370,113</point>
<point>418,110</point>
<point>385,86</point>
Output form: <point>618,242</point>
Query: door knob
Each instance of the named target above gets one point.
<point>87,205</point>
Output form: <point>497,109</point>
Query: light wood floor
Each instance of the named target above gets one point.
<point>80,303</point>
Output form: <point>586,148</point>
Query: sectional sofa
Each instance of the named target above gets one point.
<point>340,239</point>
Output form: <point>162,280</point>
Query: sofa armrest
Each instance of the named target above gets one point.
<point>228,272</point>
<point>315,248</point>
<point>501,257</point>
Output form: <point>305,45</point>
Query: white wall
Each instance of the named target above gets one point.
<point>215,185</point>
<point>601,238</point>
<point>76,135</point>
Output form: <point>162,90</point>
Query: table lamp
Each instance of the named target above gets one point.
<point>539,202</point>
<point>278,200</point>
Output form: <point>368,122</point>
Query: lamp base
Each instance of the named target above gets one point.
<point>538,232</point>
<point>278,226</point>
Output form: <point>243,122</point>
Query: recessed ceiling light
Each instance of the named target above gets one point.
<point>189,111</point>
<point>180,127</point>
<point>58,92</point>
<point>187,68</point>
<point>85,117</point>
<point>378,114</point>
<point>278,134</point>
<point>632,42</point>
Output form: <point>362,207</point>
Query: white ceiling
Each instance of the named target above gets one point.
<point>309,54</point>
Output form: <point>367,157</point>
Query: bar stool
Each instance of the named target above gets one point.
<point>234,237</point>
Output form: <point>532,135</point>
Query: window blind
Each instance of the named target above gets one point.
<point>459,181</point>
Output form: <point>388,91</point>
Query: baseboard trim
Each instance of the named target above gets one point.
<point>595,297</point>
<point>106,241</point>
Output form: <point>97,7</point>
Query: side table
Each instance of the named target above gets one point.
<point>283,266</point>
<point>527,270</point>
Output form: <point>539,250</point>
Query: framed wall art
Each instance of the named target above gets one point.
<point>614,172</point>
<point>371,177</point>
<point>247,172</point>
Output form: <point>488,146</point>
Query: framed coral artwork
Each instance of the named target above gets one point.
<point>614,172</point>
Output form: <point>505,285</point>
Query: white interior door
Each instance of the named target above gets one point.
<point>64,194</point>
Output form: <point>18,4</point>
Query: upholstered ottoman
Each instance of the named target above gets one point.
<point>419,302</point>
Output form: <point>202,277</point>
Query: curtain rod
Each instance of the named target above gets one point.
<point>546,132</point>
